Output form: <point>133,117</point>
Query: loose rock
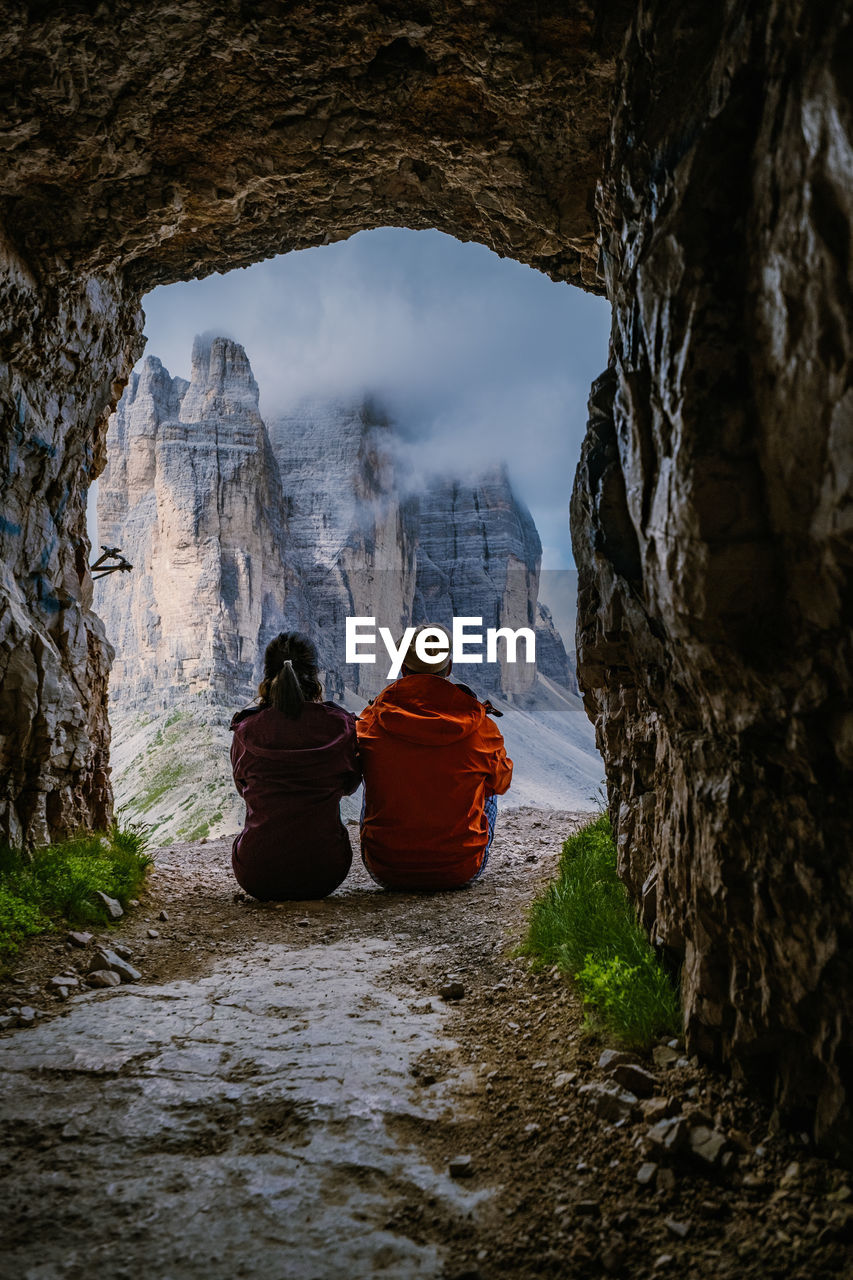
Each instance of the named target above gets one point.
<point>104,978</point>
<point>646,1173</point>
<point>461,1167</point>
<point>115,910</point>
<point>635,1078</point>
<point>707,1145</point>
<point>609,1101</point>
<point>452,991</point>
<point>611,1058</point>
<point>107,959</point>
<point>78,939</point>
<point>672,1135</point>
<point>655,1109</point>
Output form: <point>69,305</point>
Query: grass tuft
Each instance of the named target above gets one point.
<point>58,883</point>
<point>584,923</point>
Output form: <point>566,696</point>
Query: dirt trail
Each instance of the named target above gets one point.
<point>283,1092</point>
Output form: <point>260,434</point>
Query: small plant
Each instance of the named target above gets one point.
<point>59,883</point>
<point>584,924</point>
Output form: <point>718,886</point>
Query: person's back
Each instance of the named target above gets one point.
<point>432,761</point>
<point>293,757</point>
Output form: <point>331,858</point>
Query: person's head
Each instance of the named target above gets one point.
<point>437,646</point>
<point>290,674</point>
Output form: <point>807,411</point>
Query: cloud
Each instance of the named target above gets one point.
<point>478,359</point>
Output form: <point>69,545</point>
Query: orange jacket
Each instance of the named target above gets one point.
<point>430,756</point>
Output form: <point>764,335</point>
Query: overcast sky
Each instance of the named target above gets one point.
<point>482,357</point>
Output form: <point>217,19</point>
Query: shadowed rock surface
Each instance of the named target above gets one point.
<point>712,512</point>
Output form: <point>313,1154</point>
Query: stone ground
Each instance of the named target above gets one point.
<point>284,1094</point>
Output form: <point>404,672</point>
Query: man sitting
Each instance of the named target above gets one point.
<point>434,763</point>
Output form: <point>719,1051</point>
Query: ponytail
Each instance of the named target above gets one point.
<point>290,674</point>
<point>285,692</point>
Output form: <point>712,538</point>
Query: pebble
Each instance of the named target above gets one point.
<point>164,915</point>
<point>791,1176</point>
<point>646,1173</point>
<point>104,978</point>
<point>452,991</point>
<point>27,1014</point>
<point>153,933</point>
<point>123,950</point>
<point>664,1056</point>
<point>679,1229</point>
<point>655,1109</point>
<point>461,1167</point>
<point>663,1260</point>
<point>752,1182</point>
<point>107,959</point>
<point>64,981</point>
<point>707,1145</point>
<point>115,910</point>
<point>635,1078</point>
<point>609,1101</point>
<point>670,1135</point>
<point>611,1058</point>
<point>78,939</point>
<point>564,1078</point>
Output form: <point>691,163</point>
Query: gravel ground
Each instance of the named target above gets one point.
<point>285,1091</point>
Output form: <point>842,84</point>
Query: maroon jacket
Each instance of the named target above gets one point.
<point>292,774</point>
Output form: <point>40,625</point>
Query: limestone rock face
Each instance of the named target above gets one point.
<point>713,532</point>
<point>191,494</point>
<point>552,658</point>
<point>351,533</point>
<point>479,556</point>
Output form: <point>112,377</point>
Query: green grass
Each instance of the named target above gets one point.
<point>57,884</point>
<point>584,923</point>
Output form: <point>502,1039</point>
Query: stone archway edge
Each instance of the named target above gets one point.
<point>711,513</point>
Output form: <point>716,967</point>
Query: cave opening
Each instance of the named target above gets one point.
<point>393,382</point>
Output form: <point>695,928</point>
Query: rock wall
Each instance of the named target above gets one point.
<point>712,513</point>
<point>62,348</point>
<point>712,519</point>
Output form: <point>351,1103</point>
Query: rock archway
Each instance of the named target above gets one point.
<point>711,516</point>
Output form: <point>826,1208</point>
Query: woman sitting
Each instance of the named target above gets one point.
<point>293,758</point>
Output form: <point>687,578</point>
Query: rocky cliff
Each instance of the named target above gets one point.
<point>191,494</point>
<point>236,534</point>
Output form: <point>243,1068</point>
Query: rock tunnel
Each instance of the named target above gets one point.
<point>692,162</point>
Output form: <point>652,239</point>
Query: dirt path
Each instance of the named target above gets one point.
<point>284,1091</point>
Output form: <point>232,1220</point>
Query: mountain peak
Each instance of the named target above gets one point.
<point>221,380</point>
